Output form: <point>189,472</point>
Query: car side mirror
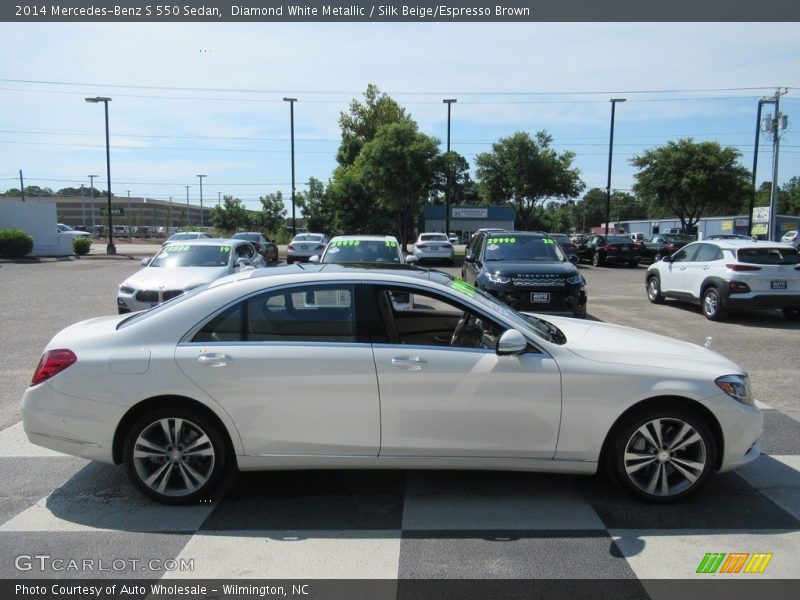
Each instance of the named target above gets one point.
<point>511,342</point>
<point>667,258</point>
<point>314,259</point>
<point>411,259</point>
<point>242,263</point>
<point>469,257</point>
<point>145,261</point>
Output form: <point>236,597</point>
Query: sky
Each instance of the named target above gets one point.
<point>191,99</point>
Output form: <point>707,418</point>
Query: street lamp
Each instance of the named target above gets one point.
<point>291,102</point>
<point>200,177</point>
<point>110,248</point>
<point>188,218</point>
<point>610,151</point>
<point>219,198</point>
<point>449,102</point>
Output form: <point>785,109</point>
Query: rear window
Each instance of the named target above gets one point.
<point>430,237</point>
<point>768,256</point>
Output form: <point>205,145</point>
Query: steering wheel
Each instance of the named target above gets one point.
<point>461,327</point>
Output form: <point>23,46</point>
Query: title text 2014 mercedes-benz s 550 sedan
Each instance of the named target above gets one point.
<point>329,366</point>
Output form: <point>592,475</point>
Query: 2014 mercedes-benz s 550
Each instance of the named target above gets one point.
<point>327,366</point>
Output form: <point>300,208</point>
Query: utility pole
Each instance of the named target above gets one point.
<point>778,123</point>
<point>610,153</point>
<point>761,104</point>
<point>449,102</point>
<point>21,186</point>
<point>219,198</point>
<point>291,102</point>
<point>83,208</point>
<point>200,177</point>
<point>188,219</point>
<point>169,232</point>
<point>129,214</point>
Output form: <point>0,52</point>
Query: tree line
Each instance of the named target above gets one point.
<point>387,171</point>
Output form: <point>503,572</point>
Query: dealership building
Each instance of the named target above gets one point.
<point>466,220</point>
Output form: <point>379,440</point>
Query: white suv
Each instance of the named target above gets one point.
<point>723,274</point>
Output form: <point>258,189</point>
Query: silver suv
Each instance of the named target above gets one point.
<point>723,274</point>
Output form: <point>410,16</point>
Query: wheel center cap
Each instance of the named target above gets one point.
<point>663,456</point>
<point>175,455</point>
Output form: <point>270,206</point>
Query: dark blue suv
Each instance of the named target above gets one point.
<point>528,271</point>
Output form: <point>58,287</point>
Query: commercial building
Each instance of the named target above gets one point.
<point>465,220</point>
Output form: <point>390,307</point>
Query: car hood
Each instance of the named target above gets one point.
<point>608,343</point>
<point>526,267</point>
<point>174,278</point>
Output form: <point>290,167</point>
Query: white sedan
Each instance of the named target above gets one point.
<point>229,375</point>
<point>183,266</point>
<point>434,246</point>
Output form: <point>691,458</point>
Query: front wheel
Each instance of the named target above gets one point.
<point>174,455</point>
<point>597,260</point>
<point>658,256</point>
<point>654,290</point>
<point>663,454</point>
<point>712,306</point>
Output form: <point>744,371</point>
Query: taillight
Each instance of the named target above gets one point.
<point>421,245</point>
<point>321,247</point>
<point>52,363</point>
<point>609,248</point>
<point>738,287</point>
<point>742,268</point>
<point>290,247</point>
<point>447,246</point>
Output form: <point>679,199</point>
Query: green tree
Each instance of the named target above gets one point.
<point>361,124</point>
<point>789,197</point>
<point>525,172</point>
<point>317,208</point>
<point>690,180</point>
<point>231,216</point>
<point>398,167</point>
<point>463,190</point>
<point>272,213</point>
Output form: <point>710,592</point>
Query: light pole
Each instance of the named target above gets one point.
<point>91,194</point>
<point>200,177</point>
<point>219,198</point>
<point>449,102</point>
<point>170,216</point>
<point>291,102</point>
<point>83,208</point>
<point>130,231</point>
<point>610,152</point>
<point>188,219</point>
<point>110,248</point>
<point>761,104</point>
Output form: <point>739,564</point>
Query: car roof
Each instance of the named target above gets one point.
<point>353,269</point>
<point>365,237</point>
<point>212,242</point>
<point>737,244</point>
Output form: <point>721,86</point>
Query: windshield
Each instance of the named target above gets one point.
<point>538,327</point>
<point>678,238</point>
<point>362,251</point>
<point>250,237</point>
<point>769,256</point>
<point>618,239</point>
<point>522,248</point>
<point>184,255</point>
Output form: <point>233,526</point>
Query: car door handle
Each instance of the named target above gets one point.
<point>214,360</point>
<point>410,363</point>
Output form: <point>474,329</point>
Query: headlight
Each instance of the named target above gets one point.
<point>737,387</point>
<point>497,278</point>
<point>575,279</point>
<point>126,289</point>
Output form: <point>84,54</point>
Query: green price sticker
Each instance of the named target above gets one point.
<point>503,240</point>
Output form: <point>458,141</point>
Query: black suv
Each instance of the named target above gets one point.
<point>527,271</point>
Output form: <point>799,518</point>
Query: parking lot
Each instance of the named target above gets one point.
<point>398,524</point>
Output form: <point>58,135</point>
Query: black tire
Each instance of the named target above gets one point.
<point>662,475</point>
<point>712,306</point>
<point>289,260</point>
<point>183,479</point>
<point>597,260</point>
<point>658,256</point>
<point>792,314</point>
<point>580,313</point>
<point>653,289</point>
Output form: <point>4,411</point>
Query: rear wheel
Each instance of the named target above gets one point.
<point>174,455</point>
<point>712,306</point>
<point>662,454</point>
<point>654,290</point>
<point>658,256</point>
<point>793,314</point>
<point>597,260</point>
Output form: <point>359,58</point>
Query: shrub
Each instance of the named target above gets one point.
<point>81,245</point>
<point>15,242</point>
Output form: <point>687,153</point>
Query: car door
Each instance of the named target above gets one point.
<point>699,267</point>
<point>460,401</point>
<point>473,266</point>
<point>288,367</point>
<point>673,273</point>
